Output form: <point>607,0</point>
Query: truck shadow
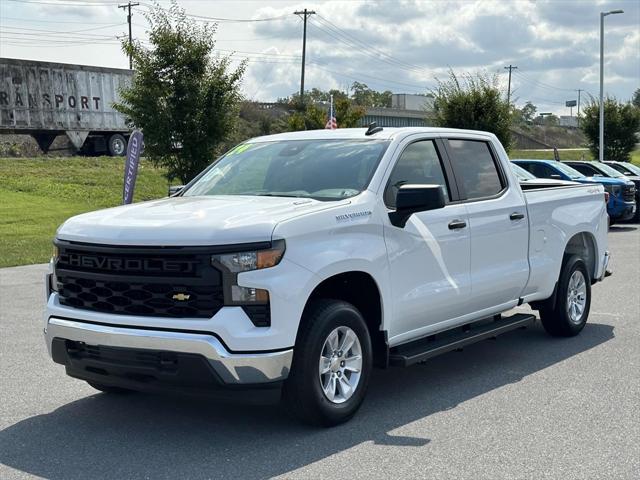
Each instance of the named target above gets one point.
<point>142,436</point>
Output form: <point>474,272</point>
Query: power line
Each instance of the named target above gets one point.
<point>67,3</point>
<point>366,46</point>
<point>30,20</point>
<point>543,84</point>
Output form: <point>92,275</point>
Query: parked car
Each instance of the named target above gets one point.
<point>599,169</point>
<point>621,205</point>
<point>529,181</point>
<point>626,168</point>
<point>379,247</point>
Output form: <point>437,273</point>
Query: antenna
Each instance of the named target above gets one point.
<point>372,129</point>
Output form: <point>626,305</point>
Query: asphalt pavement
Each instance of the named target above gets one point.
<point>525,406</point>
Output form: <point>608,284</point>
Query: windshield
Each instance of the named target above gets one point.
<point>567,170</point>
<point>626,168</point>
<point>320,169</point>
<point>521,173</point>
<point>609,171</point>
<point>631,168</point>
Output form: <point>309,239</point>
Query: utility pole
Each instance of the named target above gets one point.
<point>601,132</point>
<point>578,116</point>
<point>128,6</point>
<point>304,14</point>
<point>510,67</point>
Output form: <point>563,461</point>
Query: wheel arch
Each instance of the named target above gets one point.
<point>583,244</point>
<point>360,289</point>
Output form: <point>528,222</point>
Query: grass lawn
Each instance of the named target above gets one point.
<point>569,154</point>
<point>38,194</point>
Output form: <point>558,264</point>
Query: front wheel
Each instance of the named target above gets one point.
<point>332,364</point>
<point>573,300</point>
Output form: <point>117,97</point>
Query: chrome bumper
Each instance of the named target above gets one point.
<point>233,368</point>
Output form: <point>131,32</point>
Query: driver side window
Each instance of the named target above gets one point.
<point>419,164</point>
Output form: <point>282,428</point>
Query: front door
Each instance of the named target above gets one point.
<point>429,259</point>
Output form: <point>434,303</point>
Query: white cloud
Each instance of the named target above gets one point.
<point>397,45</point>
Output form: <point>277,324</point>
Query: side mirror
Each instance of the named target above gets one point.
<point>174,190</point>
<point>555,176</point>
<point>411,199</point>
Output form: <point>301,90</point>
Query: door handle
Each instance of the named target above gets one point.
<point>516,216</point>
<point>457,224</point>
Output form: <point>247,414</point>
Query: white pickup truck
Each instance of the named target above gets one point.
<point>298,262</point>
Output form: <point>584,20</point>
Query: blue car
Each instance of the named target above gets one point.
<point>621,205</point>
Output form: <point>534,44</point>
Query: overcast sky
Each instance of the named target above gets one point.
<point>402,46</point>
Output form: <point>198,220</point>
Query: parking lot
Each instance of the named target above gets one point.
<point>524,406</point>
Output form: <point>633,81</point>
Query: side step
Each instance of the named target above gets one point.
<point>425,348</point>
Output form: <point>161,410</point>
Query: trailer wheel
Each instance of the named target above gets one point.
<point>117,145</point>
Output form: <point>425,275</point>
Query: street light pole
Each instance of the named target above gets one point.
<point>601,133</point>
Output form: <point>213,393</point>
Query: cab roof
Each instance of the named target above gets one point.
<point>387,133</point>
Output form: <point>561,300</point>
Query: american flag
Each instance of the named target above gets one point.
<point>331,124</point>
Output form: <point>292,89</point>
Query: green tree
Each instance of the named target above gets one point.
<point>182,97</point>
<point>636,98</point>
<point>316,110</point>
<point>362,95</point>
<point>621,122</point>
<point>472,102</point>
<point>529,112</point>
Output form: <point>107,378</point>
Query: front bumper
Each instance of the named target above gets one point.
<point>624,212</point>
<point>229,369</point>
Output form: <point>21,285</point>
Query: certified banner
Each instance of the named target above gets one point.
<point>131,166</point>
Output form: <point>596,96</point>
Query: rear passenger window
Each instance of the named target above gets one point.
<point>419,164</point>
<point>475,168</point>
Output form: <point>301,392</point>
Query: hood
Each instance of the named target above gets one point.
<point>603,180</point>
<point>192,221</point>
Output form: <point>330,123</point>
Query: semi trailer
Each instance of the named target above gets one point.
<point>45,99</point>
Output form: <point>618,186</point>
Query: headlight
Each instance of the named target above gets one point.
<point>613,189</point>
<point>53,279</point>
<point>234,263</point>
<point>254,260</point>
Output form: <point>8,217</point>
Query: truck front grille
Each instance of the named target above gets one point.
<point>158,299</point>
<point>629,193</point>
<point>159,282</point>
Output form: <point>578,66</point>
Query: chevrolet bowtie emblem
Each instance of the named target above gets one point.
<point>181,297</point>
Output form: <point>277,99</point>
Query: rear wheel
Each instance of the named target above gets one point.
<point>572,302</point>
<point>331,365</point>
<point>117,145</point>
<point>108,388</point>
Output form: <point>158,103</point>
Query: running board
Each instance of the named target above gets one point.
<point>425,348</point>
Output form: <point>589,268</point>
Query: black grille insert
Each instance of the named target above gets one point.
<point>629,194</point>
<point>194,290</point>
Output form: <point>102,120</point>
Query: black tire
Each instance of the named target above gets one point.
<point>117,145</point>
<point>108,388</point>
<point>556,318</point>
<point>303,392</point>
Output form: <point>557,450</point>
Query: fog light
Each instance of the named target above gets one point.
<point>249,294</point>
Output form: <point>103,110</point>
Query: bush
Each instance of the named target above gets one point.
<point>473,102</point>
<point>621,122</point>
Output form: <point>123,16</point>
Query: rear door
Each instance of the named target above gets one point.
<point>429,258</point>
<point>498,224</point>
